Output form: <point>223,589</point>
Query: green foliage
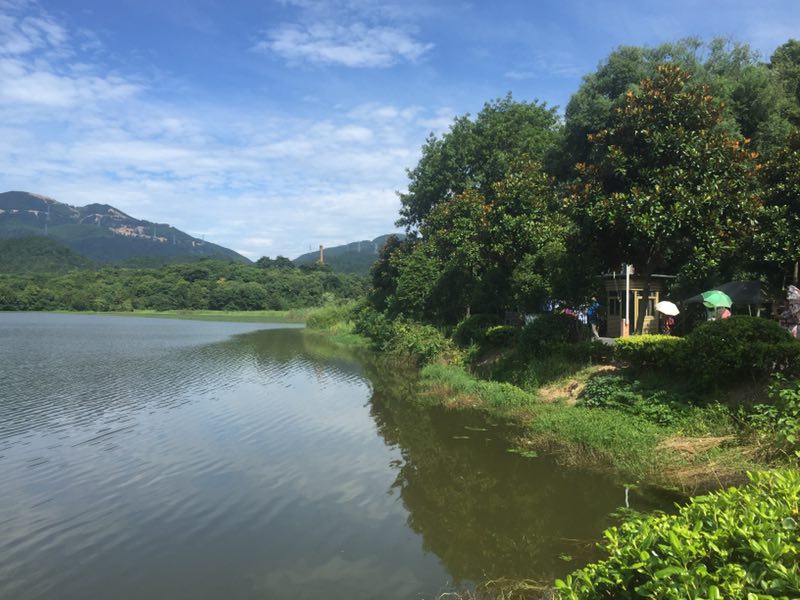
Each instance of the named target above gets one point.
<point>501,336</point>
<point>329,316</point>
<point>461,385</point>
<point>658,405</point>
<point>666,186</point>
<point>552,328</point>
<point>475,154</point>
<point>38,254</point>
<point>201,285</point>
<point>473,329</point>
<point>660,351</point>
<point>729,350</point>
<point>600,436</point>
<point>737,543</point>
<point>423,342</point>
<point>778,424</point>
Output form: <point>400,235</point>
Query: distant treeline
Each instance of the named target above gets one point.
<point>207,284</point>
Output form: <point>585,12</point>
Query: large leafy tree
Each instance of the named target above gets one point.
<point>474,154</point>
<point>758,99</point>
<point>487,254</point>
<point>667,187</point>
<point>776,248</point>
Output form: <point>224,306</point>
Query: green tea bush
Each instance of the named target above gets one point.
<point>472,330</point>
<point>718,352</point>
<point>736,543</point>
<point>661,351</point>
<point>552,328</point>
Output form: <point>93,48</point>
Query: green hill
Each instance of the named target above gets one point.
<point>355,257</point>
<point>101,232</point>
<point>37,254</point>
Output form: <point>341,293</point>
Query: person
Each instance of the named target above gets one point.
<point>669,323</point>
<point>726,312</point>
<point>593,316</point>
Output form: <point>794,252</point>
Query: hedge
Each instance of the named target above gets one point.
<point>737,543</point>
<point>660,351</point>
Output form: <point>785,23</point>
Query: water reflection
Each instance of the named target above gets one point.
<point>175,459</point>
<point>487,513</point>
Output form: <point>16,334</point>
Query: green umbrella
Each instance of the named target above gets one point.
<point>716,299</point>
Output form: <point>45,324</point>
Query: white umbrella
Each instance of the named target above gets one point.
<point>667,307</point>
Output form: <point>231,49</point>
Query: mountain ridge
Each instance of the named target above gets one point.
<point>353,257</point>
<point>100,232</point>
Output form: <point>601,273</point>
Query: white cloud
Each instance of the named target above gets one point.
<point>355,45</point>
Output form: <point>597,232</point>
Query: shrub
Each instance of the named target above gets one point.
<point>621,393</point>
<point>728,544</point>
<point>329,316</point>
<point>374,325</point>
<point>424,342</point>
<point>501,336</point>
<point>659,351</point>
<point>550,328</point>
<point>732,349</point>
<point>778,423</point>
<point>472,330</point>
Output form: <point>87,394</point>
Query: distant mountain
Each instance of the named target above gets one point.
<point>100,232</point>
<point>355,257</point>
<point>39,254</point>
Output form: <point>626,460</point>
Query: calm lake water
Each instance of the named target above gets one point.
<point>155,458</point>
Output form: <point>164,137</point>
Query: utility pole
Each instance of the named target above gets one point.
<point>628,271</point>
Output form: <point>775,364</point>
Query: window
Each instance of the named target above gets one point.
<point>614,305</point>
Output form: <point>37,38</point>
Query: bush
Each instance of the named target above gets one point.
<point>502,336</point>
<point>732,349</point>
<point>375,326</point>
<point>472,330</point>
<point>661,351</point>
<point>329,316</point>
<point>550,328</point>
<point>621,393</point>
<point>778,423</point>
<point>728,544</point>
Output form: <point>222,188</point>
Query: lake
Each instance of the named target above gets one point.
<point>157,458</point>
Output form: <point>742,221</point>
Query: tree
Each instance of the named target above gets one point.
<point>776,249</point>
<point>756,102</point>
<point>474,155</point>
<point>667,187</point>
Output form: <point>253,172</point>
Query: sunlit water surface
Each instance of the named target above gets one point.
<point>155,458</point>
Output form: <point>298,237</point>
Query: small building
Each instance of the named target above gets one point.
<point>615,303</point>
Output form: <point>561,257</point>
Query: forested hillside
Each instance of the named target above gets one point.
<point>206,284</point>
<point>38,254</point>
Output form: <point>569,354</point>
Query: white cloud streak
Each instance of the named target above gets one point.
<point>355,45</point>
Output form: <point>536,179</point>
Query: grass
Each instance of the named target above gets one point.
<point>698,451</point>
<point>334,321</point>
<point>243,316</point>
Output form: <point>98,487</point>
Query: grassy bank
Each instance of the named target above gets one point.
<point>571,398</point>
<point>241,316</point>
<point>699,449</point>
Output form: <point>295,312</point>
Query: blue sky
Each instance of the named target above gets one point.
<point>272,127</point>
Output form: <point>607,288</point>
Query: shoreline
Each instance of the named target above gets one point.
<point>295,316</point>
